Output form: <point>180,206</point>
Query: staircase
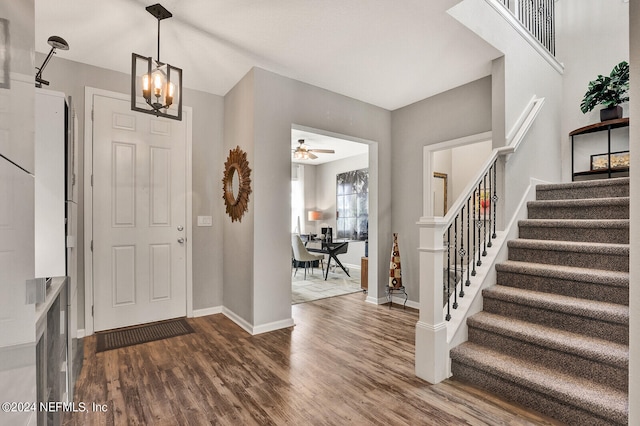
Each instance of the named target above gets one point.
<point>554,333</point>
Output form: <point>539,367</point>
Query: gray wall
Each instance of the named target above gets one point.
<point>459,112</point>
<point>239,246</point>
<point>72,78</point>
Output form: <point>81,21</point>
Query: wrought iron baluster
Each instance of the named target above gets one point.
<point>489,206</point>
<point>468,283</point>
<point>494,199</point>
<point>462,252</point>
<point>484,217</point>
<point>448,316</point>
<point>473,254</point>
<point>479,225</point>
<point>455,263</point>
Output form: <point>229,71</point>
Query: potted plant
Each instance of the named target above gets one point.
<point>609,91</point>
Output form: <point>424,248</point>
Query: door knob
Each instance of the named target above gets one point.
<point>181,240</point>
<point>180,228</point>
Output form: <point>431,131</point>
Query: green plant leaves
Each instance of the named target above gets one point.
<point>609,90</point>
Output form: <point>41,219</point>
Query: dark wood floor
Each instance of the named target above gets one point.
<point>345,362</point>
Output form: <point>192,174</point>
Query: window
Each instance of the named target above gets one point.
<point>352,205</point>
<point>297,199</point>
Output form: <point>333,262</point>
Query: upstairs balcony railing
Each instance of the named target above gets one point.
<point>538,17</point>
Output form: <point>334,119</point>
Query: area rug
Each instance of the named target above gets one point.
<point>316,288</point>
<point>129,336</point>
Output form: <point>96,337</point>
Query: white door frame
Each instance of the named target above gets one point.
<point>89,92</point>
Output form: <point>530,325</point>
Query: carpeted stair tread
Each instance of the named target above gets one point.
<point>614,231</point>
<point>604,351</point>
<point>616,187</point>
<point>576,223</point>
<point>595,276</point>
<point>609,312</point>
<point>571,246</point>
<point>581,202</point>
<point>589,208</point>
<point>602,401</point>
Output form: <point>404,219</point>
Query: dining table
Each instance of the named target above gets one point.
<point>333,249</point>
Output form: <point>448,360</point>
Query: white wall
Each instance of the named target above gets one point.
<point>519,75</point>
<point>587,47</point>
<point>459,112</point>
<point>461,164</point>
<point>466,162</point>
<point>71,78</point>
<point>634,254</point>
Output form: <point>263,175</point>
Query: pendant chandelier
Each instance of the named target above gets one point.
<point>159,84</point>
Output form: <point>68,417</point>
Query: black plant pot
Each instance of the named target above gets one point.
<point>611,113</point>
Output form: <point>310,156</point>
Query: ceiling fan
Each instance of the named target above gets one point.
<point>302,152</point>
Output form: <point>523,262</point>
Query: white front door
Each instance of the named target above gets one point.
<point>139,216</point>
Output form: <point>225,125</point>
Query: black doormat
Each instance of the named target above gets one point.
<point>130,336</point>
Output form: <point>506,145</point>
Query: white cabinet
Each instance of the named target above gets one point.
<point>50,238</point>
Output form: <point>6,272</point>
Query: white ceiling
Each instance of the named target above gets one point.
<point>389,53</point>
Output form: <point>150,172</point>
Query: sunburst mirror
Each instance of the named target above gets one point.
<point>236,184</point>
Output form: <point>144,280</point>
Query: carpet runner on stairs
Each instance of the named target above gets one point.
<point>554,332</point>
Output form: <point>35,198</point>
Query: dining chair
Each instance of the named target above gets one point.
<point>302,255</point>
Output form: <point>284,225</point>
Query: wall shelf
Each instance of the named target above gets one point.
<point>593,128</point>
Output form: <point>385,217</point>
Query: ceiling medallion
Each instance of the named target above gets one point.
<point>236,184</point>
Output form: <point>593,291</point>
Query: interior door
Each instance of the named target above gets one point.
<point>139,215</point>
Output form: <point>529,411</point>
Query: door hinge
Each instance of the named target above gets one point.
<point>91,114</point>
<point>91,310</point>
<point>91,245</point>
<point>91,180</point>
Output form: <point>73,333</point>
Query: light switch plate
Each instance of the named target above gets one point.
<point>205,221</point>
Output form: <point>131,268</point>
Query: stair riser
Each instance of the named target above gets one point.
<point>560,410</point>
<point>590,291</point>
<point>610,331</point>
<point>621,190</point>
<point>594,235</point>
<point>551,358</point>
<point>608,262</point>
<point>540,211</point>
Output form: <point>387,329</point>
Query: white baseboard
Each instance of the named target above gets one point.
<point>272,326</point>
<point>207,311</point>
<point>259,329</point>
<point>80,333</point>
<point>238,320</point>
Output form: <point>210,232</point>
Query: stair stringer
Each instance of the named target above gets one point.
<point>486,277</point>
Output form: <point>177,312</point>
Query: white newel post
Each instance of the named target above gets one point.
<point>431,330</point>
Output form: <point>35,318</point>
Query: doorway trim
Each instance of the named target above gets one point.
<point>89,92</point>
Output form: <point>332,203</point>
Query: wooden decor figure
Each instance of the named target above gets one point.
<point>395,275</point>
